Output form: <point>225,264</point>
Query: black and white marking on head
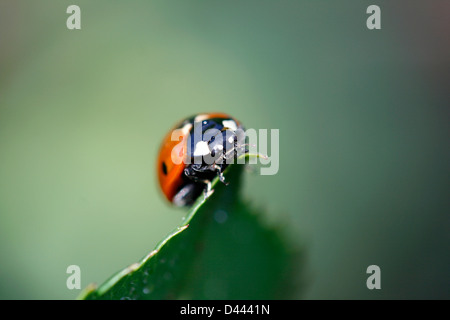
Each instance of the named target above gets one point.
<point>230,124</point>
<point>201,149</point>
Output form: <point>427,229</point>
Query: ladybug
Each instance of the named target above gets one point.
<point>196,151</point>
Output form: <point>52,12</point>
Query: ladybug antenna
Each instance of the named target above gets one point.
<point>257,154</point>
<point>208,189</point>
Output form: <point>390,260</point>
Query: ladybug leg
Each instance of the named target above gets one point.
<point>208,190</point>
<point>186,195</point>
<point>220,174</point>
<point>190,173</point>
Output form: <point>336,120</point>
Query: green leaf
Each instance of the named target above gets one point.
<point>222,250</point>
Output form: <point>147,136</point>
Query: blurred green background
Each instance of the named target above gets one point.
<point>363,120</point>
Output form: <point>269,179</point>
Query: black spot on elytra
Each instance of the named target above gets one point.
<point>164,168</point>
